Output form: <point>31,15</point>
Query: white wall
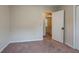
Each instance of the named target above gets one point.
<point>21,23</point>
<point>68,24</point>
<point>27,23</point>
<point>4,26</point>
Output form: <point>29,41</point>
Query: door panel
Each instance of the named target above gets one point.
<point>58,26</point>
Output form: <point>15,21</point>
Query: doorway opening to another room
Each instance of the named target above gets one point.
<point>47,24</point>
<point>54,26</point>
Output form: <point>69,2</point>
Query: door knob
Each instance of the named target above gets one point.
<point>62,28</point>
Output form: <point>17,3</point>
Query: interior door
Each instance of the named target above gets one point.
<point>77,28</point>
<point>58,26</point>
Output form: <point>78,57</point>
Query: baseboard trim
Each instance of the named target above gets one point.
<point>4,46</point>
<point>25,40</point>
<point>69,45</point>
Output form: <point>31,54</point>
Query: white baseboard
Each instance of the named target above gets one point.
<point>25,40</point>
<point>69,44</point>
<point>3,46</point>
<point>6,44</point>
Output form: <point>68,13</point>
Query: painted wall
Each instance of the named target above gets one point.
<point>4,26</point>
<point>27,23</point>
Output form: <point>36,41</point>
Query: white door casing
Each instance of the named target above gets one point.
<point>77,28</point>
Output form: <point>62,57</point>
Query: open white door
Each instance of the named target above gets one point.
<point>58,26</point>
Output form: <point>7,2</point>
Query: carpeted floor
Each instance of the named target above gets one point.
<point>45,46</point>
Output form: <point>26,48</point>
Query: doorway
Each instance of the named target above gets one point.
<point>47,25</point>
<point>54,26</point>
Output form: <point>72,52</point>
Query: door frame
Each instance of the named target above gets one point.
<point>74,26</point>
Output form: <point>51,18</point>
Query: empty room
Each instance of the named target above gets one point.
<point>39,29</point>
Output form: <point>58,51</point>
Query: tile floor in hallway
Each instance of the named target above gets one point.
<point>45,46</point>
